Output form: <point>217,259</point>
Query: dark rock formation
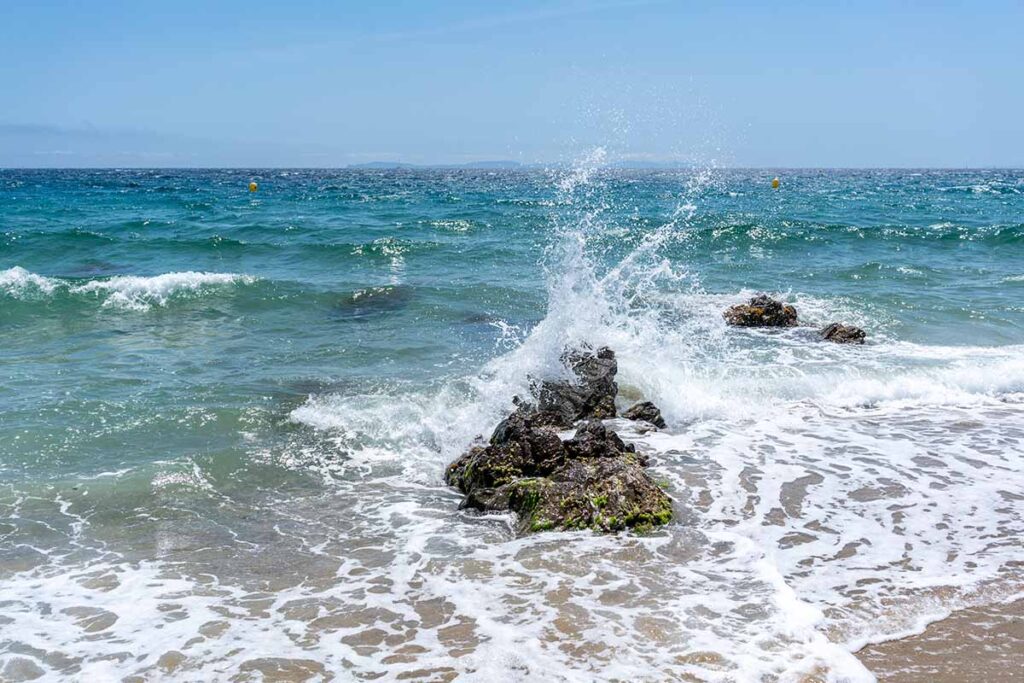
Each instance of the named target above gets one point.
<point>592,395</point>
<point>761,311</point>
<point>647,412</point>
<point>843,334</point>
<point>592,480</point>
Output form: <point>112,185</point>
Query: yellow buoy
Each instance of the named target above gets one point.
<point>775,183</point>
<point>253,187</point>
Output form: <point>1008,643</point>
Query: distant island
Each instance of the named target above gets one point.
<point>473,165</point>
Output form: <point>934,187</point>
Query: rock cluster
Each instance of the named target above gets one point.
<point>764,311</point>
<point>593,480</point>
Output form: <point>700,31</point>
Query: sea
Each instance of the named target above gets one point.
<point>225,417</point>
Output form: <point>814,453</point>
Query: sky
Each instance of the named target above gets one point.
<point>315,83</point>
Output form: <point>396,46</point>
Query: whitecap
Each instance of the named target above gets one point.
<point>140,293</point>
<point>130,292</point>
<point>20,283</point>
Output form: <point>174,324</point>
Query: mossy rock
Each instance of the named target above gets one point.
<point>599,484</point>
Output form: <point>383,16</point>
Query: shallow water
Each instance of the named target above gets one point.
<point>226,416</point>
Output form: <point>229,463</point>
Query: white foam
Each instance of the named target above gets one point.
<point>129,292</point>
<point>140,293</point>
<point>20,283</point>
<point>905,453</point>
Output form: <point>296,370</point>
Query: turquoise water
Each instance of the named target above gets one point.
<point>234,409</point>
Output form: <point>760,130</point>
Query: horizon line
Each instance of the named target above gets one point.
<point>510,166</point>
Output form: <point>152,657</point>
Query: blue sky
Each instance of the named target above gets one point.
<point>317,83</point>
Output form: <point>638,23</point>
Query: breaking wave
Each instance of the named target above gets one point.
<point>128,292</point>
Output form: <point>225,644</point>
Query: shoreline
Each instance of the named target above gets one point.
<point>983,643</point>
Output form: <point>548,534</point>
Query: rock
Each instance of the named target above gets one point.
<point>592,480</point>
<point>594,440</point>
<point>843,334</point>
<point>761,311</point>
<point>646,412</point>
<point>516,449</point>
<point>592,395</point>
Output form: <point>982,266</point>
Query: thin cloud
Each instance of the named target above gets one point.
<point>510,19</point>
<point>477,24</point>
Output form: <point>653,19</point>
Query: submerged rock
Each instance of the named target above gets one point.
<point>592,395</point>
<point>647,412</point>
<point>593,480</point>
<point>843,334</point>
<point>374,301</point>
<point>761,311</point>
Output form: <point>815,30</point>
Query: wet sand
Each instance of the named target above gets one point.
<point>978,644</point>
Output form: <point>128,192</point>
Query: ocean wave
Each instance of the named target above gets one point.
<point>732,230</point>
<point>800,448</point>
<point>19,282</point>
<point>993,188</point>
<point>696,370</point>
<point>672,344</point>
<point>458,225</point>
<point>252,241</point>
<point>832,495</point>
<point>129,292</point>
